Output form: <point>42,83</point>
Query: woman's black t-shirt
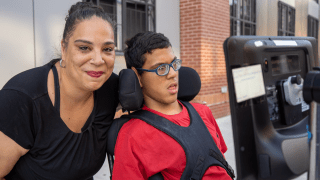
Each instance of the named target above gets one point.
<point>55,152</point>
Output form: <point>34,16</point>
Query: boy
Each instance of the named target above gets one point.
<point>141,149</point>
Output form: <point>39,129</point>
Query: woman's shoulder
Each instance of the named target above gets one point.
<point>32,82</point>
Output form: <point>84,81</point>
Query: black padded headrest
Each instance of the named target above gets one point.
<point>130,93</point>
<point>189,84</point>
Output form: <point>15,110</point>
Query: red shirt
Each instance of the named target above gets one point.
<point>142,150</point>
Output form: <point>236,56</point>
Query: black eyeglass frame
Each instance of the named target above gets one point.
<point>166,65</point>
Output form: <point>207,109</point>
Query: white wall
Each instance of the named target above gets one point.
<point>30,34</point>
<point>168,22</point>
<point>49,24</point>
<point>16,38</point>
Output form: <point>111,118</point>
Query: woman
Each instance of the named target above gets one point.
<point>54,118</point>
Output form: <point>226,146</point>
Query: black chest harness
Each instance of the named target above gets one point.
<point>200,149</point>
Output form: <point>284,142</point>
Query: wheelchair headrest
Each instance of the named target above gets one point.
<point>130,93</point>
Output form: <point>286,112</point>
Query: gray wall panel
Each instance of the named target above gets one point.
<point>49,24</point>
<point>168,22</point>
<point>16,38</point>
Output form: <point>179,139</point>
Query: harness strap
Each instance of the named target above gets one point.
<point>200,154</point>
<point>196,174</point>
<point>229,169</point>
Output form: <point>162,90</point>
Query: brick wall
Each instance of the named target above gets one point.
<point>204,25</point>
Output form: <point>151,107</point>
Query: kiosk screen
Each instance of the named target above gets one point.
<point>285,64</point>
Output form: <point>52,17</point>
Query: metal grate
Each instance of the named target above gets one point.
<point>135,16</point>
<point>286,19</point>
<point>313,26</point>
<point>242,17</point>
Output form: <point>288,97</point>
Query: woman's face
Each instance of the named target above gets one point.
<point>89,55</point>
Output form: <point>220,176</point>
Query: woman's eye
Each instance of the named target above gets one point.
<point>109,49</point>
<point>83,48</point>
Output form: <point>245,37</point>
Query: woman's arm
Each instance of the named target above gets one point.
<point>10,152</point>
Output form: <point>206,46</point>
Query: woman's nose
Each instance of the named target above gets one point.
<point>97,60</point>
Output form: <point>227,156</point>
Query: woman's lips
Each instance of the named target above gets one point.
<point>95,74</point>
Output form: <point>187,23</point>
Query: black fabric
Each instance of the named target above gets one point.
<point>56,88</point>
<point>113,133</point>
<point>199,154</point>
<point>130,93</point>
<point>29,118</point>
<point>189,84</point>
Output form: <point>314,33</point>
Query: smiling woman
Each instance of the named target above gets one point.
<point>54,118</point>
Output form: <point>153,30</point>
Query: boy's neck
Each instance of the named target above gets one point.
<point>164,108</point>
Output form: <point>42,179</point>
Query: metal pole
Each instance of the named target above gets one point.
<point>313,143</point>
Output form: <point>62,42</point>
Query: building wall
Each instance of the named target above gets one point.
<point>168,22</point>
<point>16,38</point>
<point>49,21</point>
<point>204,26</point>
<point>30,34</point>
<point>267,17</point>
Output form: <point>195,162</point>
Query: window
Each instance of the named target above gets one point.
<point>313,26</point>
<point>286,20</point>
<point>242,17</point>
<point>131,17</point>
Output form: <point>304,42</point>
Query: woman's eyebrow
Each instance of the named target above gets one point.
<point>84,41</point>
<point>88,42</point>
<point>108,43</point>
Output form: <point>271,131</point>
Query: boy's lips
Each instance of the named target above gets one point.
<point>173,88</point>
<point>95,74</point>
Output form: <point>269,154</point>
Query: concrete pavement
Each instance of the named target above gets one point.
<point>226,130</point>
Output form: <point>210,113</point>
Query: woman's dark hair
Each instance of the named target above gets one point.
<point>143,43</point>
<point>79,12</point>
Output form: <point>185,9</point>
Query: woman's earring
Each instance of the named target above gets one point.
<point>61,64</point>
<point>102,61</point>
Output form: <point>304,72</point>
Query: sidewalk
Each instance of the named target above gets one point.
<point>226,130</point>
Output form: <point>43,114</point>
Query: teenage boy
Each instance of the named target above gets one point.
<point>141,149</point>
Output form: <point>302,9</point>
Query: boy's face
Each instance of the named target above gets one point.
<point>159,90</point>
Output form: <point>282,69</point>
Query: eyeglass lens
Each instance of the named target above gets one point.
<point>164,69</point>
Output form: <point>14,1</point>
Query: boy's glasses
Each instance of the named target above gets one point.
<point>164,69</point>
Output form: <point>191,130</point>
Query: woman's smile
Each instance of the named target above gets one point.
<point>95,74</point>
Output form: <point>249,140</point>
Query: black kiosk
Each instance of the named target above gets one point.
<point>270,118</point>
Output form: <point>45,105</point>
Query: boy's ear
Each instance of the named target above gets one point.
<point>137,74</point>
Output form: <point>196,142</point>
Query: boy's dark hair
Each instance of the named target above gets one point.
<point>143,43</point>
<point>79,12</point>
